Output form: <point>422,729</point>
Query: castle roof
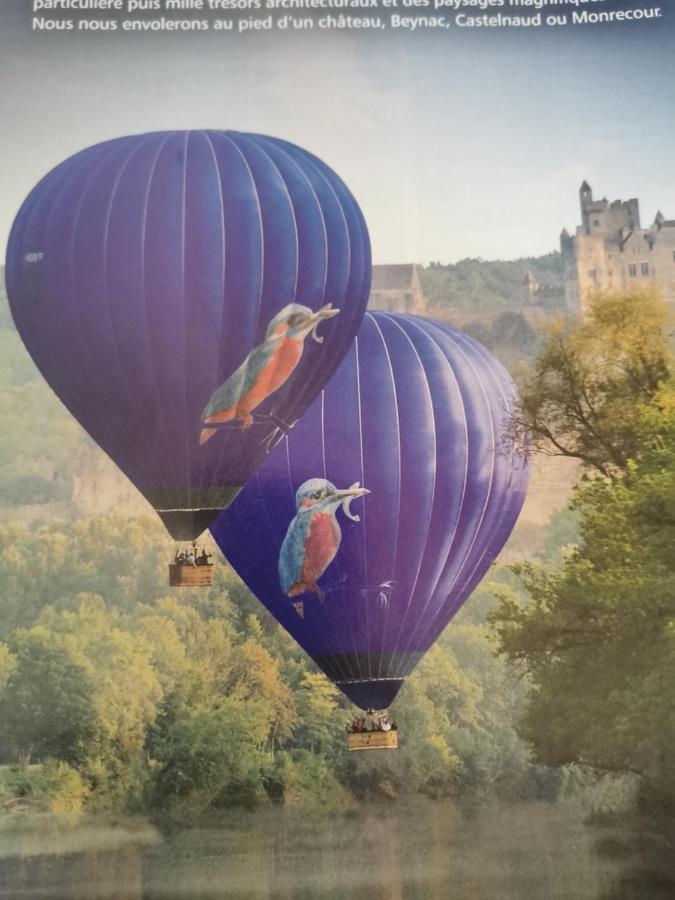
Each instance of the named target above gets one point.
<point>394,277</point>
<point>585,186</point>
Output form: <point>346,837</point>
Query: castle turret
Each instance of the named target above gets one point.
<point>585,194</point>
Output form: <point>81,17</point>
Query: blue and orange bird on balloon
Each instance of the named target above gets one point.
<point>313,536</point>
<point>266,368</point>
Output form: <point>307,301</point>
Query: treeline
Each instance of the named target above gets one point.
<point>134,696</point>
<point>491,284</point>
<point>38,438</point>
<point>596,633</point>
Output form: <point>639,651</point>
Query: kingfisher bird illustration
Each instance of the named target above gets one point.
<point>266,368</point>
<point>314,535</point>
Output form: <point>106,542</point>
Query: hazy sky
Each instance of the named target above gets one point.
<point>456,143</point>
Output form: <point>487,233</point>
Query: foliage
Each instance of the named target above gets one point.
<point>597,638</point>
<point>211,756</point>
<point>583,395</point>
<point>60,786</point>
<point>510,337</point>
<point>186,700</point>
<point>36,452</point>
<point>485,284</point>
<point>46,705</point>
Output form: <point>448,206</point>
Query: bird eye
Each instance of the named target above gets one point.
<point>295,319</point>
<point>317,495</point>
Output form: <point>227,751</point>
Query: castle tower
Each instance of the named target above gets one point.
<point>585,201</point>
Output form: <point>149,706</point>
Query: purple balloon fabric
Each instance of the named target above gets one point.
<point>144,272</point>
<point>416,415</point>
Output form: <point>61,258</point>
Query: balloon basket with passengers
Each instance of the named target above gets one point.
<point>373,731</point>
<point>192,567</point>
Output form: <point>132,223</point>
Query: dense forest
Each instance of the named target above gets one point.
<point>119,693</point>
<point>490,284</point>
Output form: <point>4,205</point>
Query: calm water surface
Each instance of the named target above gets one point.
<point>381,853</point>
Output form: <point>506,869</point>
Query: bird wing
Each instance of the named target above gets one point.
<point>238,384</point>
<point>292,555</point>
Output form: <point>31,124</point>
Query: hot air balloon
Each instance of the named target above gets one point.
<point>187,295</point>
<point>366,530</point>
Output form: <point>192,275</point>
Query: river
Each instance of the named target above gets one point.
<point>386,852</point>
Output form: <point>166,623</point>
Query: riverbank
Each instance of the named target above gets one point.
<point>420,850</point>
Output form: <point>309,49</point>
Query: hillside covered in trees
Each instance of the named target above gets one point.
<point>481,284</point>
<point>119,693</point>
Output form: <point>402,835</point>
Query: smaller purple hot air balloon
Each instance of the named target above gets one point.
<point>412,432</point>
<point>187,294</point>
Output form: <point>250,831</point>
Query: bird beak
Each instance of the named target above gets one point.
<point>326,312</point>
<point>346,496</point>
<point>352,492</point>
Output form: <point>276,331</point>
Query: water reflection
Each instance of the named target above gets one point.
<point>423,850</point>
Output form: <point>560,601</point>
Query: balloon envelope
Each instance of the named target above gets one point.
<point>145,272</point>
<point>415,414</point>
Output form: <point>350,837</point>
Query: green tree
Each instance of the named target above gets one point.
<point>210,755</point>
<point>583,395</point>
<point>46,705</point>
<point>597,637</point>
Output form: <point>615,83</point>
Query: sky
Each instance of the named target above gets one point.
<point>456,143</point>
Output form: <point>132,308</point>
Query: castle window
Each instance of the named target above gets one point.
<point>673,255</point>
<point>644,268</point>
<point>596,222</point>
<point>632,270</point>
<point>610,273</point>
<point>592,274</point>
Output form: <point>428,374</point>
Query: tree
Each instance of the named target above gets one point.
<point>583,395</point>
<point>597,638</point>
<point>210,755</point>
<point>46,705</point>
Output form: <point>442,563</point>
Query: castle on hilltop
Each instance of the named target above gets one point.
<point>610,251</point>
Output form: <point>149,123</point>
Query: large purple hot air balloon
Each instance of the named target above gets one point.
<point>366,530</point>
<point>187,295</point>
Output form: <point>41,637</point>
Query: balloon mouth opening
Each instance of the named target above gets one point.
<point>187,517</point>
<point>376,694</point>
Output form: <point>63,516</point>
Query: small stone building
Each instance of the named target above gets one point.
<point>397,288</point>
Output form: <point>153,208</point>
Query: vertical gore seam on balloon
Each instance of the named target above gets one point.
<point>460,508</point>
<point>363,484</point>
<point>303,389</point>
<point>331,637</point>
<point>282,181</point>
<point>183,264</point>
<point>328,361</point>
<point>280,149</point>
<point>106,231</point>
<point>506,511</point>
<point>224,260</point>
<point>372,318</point>
<point>151,361</point>
<point>228,138</point>
<point>394,320</point>
<point>75,294</point>
<point>492,468</point>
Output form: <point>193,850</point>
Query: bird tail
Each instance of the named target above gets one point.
<point>205,434</point>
